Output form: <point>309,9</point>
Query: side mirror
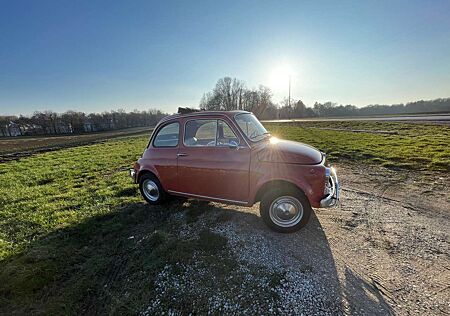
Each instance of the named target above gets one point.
<point>233,145</point>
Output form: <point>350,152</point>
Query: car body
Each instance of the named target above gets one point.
<point>229,157</point>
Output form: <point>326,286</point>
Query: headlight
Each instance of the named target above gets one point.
<point>325,161</point>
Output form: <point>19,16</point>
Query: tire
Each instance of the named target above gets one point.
<point>285,210</point>
<point>151,189</point>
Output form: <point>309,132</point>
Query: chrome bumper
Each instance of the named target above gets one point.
<point>332,197</point>
<point>133,175</point>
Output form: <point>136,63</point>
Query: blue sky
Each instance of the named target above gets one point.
<point>101,55</point>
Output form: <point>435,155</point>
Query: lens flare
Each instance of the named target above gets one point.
<point>273,140</point>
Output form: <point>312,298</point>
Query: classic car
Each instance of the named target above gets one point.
<point>230,157</point>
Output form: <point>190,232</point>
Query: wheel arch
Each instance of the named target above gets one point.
<point>282,184</point>
<point>144,172</point>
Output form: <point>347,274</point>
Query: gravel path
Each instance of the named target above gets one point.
<point>384,250</point>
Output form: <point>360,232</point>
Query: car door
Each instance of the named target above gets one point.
<point>213,161</point>
<point>162,155</point>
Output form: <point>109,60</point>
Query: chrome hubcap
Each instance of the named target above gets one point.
<point>150,190</point>
<point>286,211</point>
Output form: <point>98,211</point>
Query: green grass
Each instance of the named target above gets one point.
<point>413,146</point>
<point>63,188</point>
<point>75,236</point>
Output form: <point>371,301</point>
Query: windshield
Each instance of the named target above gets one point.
<point>251,127</point>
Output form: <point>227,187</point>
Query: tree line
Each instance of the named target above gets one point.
<point>72,122</point>
<point>228,94</point>
<point>232,94</point>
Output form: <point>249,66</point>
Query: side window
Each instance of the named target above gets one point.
<point>225,135</point>
<point>167,136</point>
<point>201,133</point>
<point>248,128</point>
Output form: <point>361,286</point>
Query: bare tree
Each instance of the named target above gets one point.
<point>231,94</point>
<point>225,96</point>
<point>75,119</point>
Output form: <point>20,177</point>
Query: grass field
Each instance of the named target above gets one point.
<point>76,237</point>
<point>402,145</point>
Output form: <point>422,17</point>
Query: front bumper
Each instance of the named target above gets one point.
<point>133,175</point>
<point>332,198</point>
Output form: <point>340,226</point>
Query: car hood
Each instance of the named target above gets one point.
<point>285,151</point>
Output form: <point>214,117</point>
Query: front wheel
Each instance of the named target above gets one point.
<point>285,211</point>
<point>151,189</point>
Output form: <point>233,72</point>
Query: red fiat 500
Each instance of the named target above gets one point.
<point>230,157</point>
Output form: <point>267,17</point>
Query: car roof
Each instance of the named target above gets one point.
<point>229,114</point>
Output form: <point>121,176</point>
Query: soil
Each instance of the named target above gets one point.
<point>391,235</point>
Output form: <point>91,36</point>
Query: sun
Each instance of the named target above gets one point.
<point>279,77</point>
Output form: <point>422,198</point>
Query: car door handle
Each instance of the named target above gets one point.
<point>182,154</point>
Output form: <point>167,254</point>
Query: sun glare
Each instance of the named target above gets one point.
<point>279,78</point>
<point>273,140</point>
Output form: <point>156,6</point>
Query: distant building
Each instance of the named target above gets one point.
<point>32,129</point>
<point>13,129</point>
<point>89,127</point>
<point>63,128</point>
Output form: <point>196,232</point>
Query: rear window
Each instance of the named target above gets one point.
<point>168,136</point>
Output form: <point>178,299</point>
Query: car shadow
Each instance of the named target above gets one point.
<point>363,296</point>
<point>107,263</point>
<point>308,252</point>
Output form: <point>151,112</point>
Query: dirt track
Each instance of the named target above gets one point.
<point>12,148</point>
<point>442,118</point>
<point>384,250</point>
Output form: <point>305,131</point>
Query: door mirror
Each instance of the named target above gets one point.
<point>233,144</point>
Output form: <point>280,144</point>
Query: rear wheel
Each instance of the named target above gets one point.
<point>151,189</point>
<point>285,210</point>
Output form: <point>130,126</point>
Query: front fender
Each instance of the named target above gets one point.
<point>309,179</point>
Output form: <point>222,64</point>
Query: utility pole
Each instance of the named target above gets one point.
<point>289,98</point>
